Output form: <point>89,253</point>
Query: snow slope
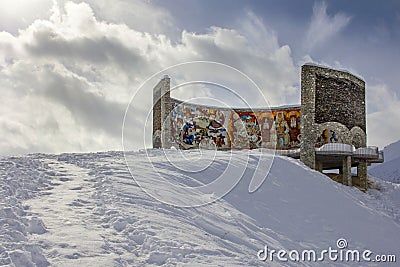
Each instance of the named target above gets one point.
<point>390,169</point>
<point>392,151</point>
<point>87,210</point>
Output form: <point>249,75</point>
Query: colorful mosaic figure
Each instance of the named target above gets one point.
<point>327,136</point>
<point>246,130</point>
<point>267,128</point>
<point>203,132</point>
<point>294,121</point>
<point>282,131</point>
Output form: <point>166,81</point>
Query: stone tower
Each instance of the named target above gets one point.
<point>333,110</point>
<point>161,114</point>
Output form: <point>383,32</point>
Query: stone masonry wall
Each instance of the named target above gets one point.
<point>341,100</point>
<point>161,111</point>
<point>332,102</point>
<point>308,81</point>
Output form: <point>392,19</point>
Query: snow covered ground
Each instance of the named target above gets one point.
<point>392,151</point>
<point>390,169</point>
<point>387,171</point>
<point>87,210</point>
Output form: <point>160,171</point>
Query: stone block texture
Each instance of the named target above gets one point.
<point>332,102</point>
<point>161,114</point>
<point>340,99</point>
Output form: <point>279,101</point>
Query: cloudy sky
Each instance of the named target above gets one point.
<point>69,68</point>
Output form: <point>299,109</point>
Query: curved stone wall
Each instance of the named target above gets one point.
<point>335,132</point>
<point>194,125</point>
<point>332,110</point>
<point>332,132</point>
<point>358,137</point>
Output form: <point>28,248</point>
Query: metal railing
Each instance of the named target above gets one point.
<point>365,153</point>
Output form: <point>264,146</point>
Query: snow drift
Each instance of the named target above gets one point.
<point>86,209</point>
<point>390,169</point>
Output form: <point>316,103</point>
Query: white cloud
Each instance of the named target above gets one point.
<point>139,15</point>
<point>66,80</point>
<point>253,49</point>
<point>383,115</point>
<point>324,27</point>
<point>379,97</point>
<point>18,14</point>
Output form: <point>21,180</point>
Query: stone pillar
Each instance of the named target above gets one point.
<point>346,170</point>
<point>362,174</point>
<point>307,147</point>
<point>162,108</point>
<point>319,166</point>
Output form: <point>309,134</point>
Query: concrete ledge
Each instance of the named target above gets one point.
<point>370,152</point>
<point>335,149</point>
